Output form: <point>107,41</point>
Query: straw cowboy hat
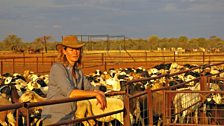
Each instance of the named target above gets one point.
<point>70,41</point>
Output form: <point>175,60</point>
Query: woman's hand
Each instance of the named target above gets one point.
<point>101,98</point>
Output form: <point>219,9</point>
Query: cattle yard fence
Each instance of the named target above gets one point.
<point>151,111</point>
<point>104,60</point>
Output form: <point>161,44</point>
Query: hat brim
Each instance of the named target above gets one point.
<point>60,46</point>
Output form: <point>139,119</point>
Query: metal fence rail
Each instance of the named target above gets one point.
<point>28,106</point>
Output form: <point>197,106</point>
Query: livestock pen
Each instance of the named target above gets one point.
<point>163,102</point>
<point>183,103</point>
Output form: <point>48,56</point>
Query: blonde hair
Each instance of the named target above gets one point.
<point>61,58</point>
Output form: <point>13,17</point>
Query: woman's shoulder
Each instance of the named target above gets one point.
<point>58,69</point>
<point>57,65</point>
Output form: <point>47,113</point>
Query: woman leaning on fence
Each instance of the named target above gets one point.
<point>67,80</point>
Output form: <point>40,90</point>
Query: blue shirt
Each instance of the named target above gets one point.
<point>61,83</point>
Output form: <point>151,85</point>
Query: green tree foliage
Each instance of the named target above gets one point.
<point>153,41</point>
<point>12,42</point>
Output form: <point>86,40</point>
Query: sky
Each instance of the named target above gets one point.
<point>30,19</point>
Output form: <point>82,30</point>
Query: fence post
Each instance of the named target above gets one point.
<point>42,58</point>
<point>165,113</point>
<point>1,67</point>
<point>209,59</point>
<point>150,111</point>
<point>37,65</point>
<point>105,66</point>
<point>203,82</point>
<point>23,60</point>
<point>167,80</point>
<point>126,111</point>
<point>102,58</point>
<point>203,54</point>
<point>17,117</point>
<point>146,58</point>
<point>52,62</point>
<point>167,107</point>
<point>27,117</point>
<point>13,65</point>
<point>174,56</point>
<point>204,87</point>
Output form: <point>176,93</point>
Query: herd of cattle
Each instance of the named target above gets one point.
<point>32,87</point>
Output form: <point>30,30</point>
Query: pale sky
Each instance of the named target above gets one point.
<point>29,19</point>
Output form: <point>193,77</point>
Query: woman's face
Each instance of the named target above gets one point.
<point>72,54</point>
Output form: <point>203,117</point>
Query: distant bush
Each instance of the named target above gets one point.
<point>14,43</point>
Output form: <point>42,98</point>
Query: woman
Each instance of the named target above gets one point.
<point>67,80</point>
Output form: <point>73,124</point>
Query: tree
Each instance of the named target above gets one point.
<point>153,40</point>
<point>215,39</point>
<point>202,42</point>
<point>182,39</point>
<point>12,42</point>
<point>41,42</point>
<point>2,46</point>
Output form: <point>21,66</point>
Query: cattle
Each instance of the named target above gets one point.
<point>84,110</point>
<point>88,108</point>
<point>8,114</point>
<point>113,105</point>
<point>191,101</point>
<point>184,100</point>
<point>139,105</point>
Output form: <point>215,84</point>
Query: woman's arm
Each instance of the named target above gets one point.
<point>76,93</point>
